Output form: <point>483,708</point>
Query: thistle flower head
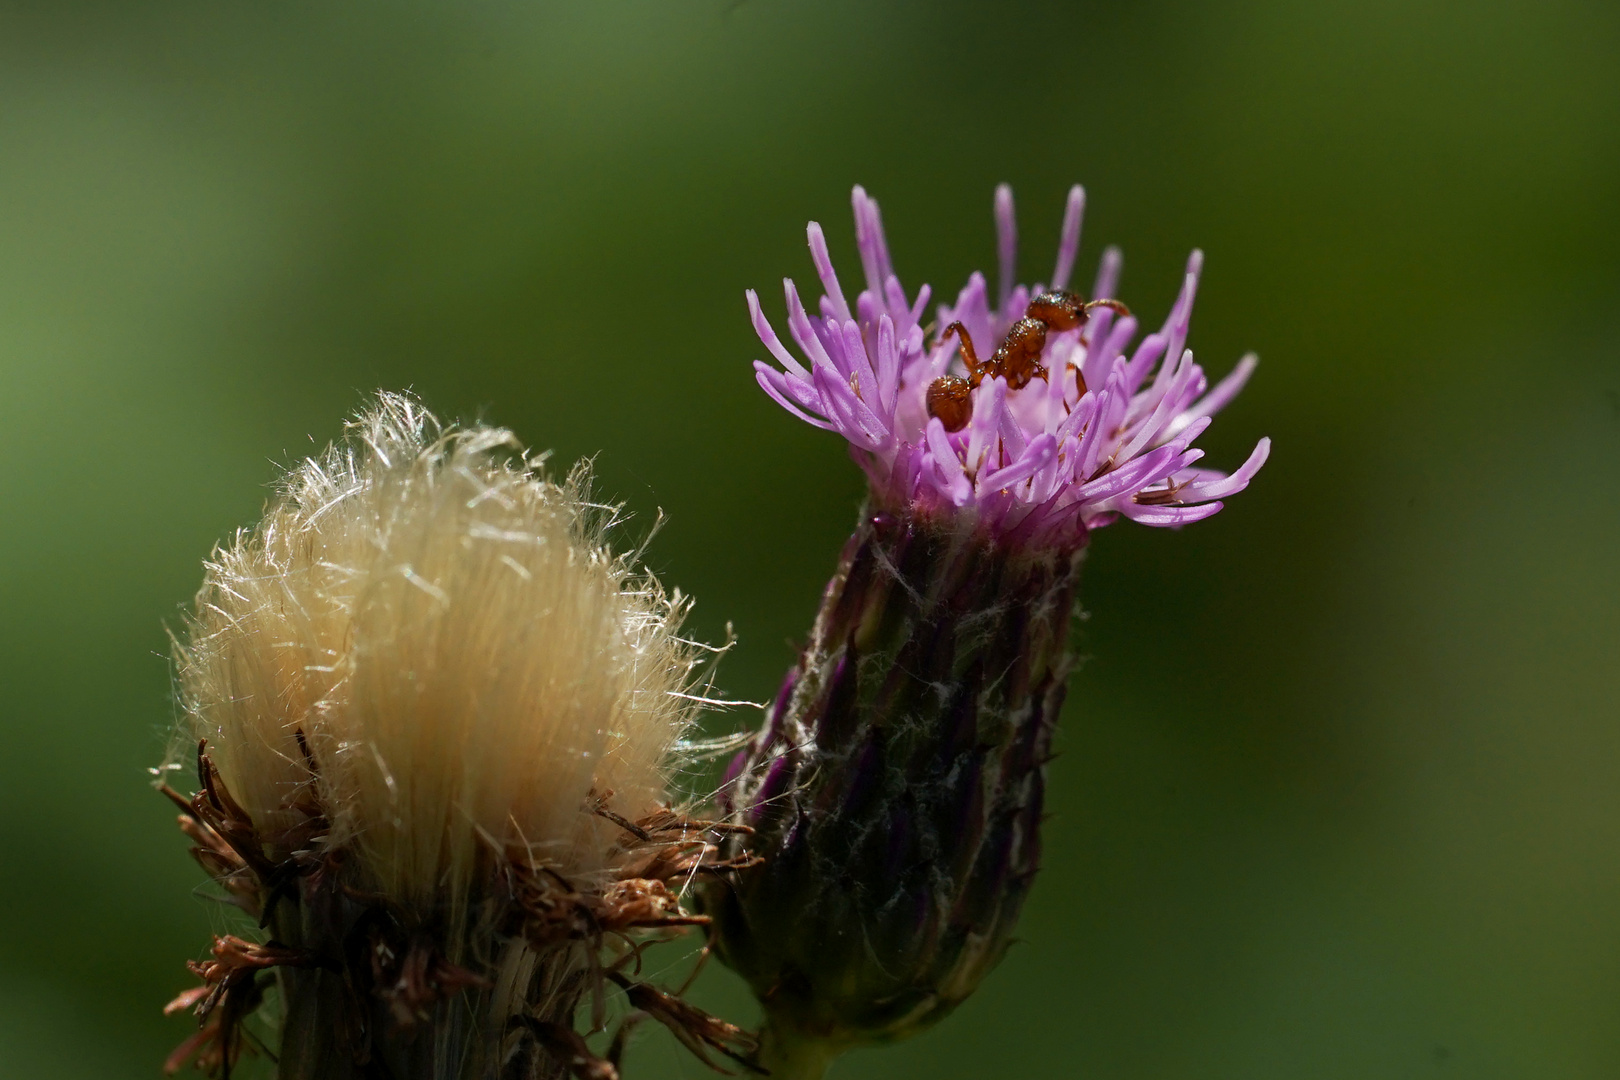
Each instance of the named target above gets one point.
<point>437,724</point>
<point>896,788</point>
<point>1105,430</point>
<point>442,630</point>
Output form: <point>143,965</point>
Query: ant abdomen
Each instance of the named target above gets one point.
<point>950,398</point>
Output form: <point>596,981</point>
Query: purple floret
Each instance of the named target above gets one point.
<point>1041,465</point>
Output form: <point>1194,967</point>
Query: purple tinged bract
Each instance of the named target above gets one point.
<point>1108,433</point>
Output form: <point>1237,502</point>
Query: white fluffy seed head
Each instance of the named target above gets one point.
<point>463,658</point>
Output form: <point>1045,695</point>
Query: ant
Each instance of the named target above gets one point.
<point>1017,359</point>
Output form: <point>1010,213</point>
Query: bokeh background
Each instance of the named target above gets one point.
<point>1340,790</point>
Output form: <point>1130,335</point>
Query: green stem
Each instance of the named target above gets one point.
<point>790,1055</point>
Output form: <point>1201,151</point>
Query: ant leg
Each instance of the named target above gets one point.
<point>1079,380</point>
<point>969,356</point>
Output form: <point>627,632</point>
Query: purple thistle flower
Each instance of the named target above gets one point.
<point>895,792</point>
<point>1108,433</point>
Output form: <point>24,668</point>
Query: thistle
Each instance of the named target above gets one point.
<point>436,724</point>
<point>895,789</point>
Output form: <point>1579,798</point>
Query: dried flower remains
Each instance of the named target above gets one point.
<point>437,723</point>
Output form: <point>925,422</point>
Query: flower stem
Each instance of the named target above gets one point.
<point>791,1055</point>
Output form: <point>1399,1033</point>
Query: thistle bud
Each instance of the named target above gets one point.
<point>897,785</point>
<point>895,792</point>
<point>435,722</point>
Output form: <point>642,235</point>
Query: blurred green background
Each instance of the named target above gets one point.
<point>1340,792</point>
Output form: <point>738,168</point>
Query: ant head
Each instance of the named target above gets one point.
<point>1058,309</point>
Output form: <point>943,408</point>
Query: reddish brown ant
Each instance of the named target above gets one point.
<point>1017,359</point>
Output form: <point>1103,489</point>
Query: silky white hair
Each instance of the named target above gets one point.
<point>428,642</point>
